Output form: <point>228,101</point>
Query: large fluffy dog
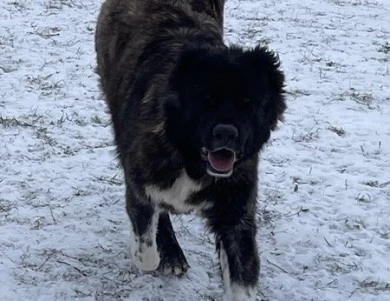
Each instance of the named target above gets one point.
<point>190,116</point>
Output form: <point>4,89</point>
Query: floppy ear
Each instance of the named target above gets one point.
<point>265,77</point>
<point>188,73</point>
<point>186,83</point>
<point>193,76</point>
<point>195,62</point>
<point>189,65</point>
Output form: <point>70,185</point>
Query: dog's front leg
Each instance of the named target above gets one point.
<point>143,225</point>
<point>239,264</point>
<point>235,232</point>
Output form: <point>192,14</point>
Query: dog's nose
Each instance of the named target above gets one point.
<point>225,133</point>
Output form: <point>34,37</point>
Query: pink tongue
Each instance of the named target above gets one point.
<point>222,160</point>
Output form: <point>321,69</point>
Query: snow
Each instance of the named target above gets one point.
<point>324,207</point>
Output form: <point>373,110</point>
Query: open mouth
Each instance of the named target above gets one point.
<point>220,162</point>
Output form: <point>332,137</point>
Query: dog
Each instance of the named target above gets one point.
<point>190,117</point>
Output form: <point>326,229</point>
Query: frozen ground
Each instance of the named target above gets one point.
<point>324,209</point>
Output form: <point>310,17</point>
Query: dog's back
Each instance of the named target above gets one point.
<point>126,27</point>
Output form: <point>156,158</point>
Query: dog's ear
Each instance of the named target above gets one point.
<point>267,61</point>
<point>187,75</point>
<point>193,71</point>
<point>191,65</point>
<point>265,78</point>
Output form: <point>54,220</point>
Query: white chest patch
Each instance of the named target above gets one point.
<point>176,195</point>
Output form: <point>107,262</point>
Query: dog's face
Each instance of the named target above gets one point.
<point>226,105</point>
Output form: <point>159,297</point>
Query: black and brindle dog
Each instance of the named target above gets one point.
<point>190,117</point>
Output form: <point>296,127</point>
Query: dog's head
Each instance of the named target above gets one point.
<point>227,102</point>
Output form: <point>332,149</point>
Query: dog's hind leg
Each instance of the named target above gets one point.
<point>173,260</point>
<point>143,225</point>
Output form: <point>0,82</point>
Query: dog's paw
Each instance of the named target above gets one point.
<point>146,257</point>
<point>174,264</point>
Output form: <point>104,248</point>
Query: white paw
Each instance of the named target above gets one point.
<point>144,248</point>
<point>240,293</point>
<point>146,257</point>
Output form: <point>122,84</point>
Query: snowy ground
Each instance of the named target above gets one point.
<point>324,209</point>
